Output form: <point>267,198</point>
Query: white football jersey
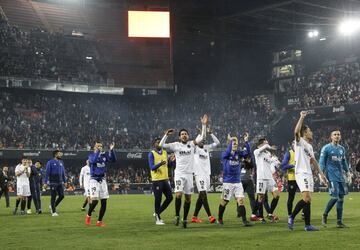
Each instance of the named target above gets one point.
<point>202,166</point>
<point>184,154</point>
<point>303,153</point>
<point>264,162</point>
<point>202,161</point>
<point>22,179</point>
<point>85,176</point>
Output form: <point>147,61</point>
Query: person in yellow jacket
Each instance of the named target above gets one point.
<point>159,164</point>
<point>288,166</point>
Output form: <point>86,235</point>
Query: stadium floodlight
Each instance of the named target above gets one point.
<point>313,33</point>
<point>349,26</point>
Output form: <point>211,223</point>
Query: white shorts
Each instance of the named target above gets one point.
<point>87,191</point>
<point>184,183</point>
<point>23,190</point>
<point>263,185</point>
<point>202,182</point>
<point>98,190</point>
<point>232,189</point>
<point>305,182</point>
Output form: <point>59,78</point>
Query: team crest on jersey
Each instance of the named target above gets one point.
<point>104,159</point>
<point>188,146</point>
<point>205,150</point>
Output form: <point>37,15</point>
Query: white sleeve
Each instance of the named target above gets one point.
<point>262,148</point>
<point>169,146</point>
<point>81,177</point>
<point>17,169</point>
<point>272,168</point>
<point>214,144</point>
<point>200,137</point>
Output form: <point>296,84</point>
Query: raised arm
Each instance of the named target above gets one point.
<point>204,121</point>
<point>215,143</point>
<point>247,152</point>
<point>93,158</point>
<point>264,147</point>
<point>112,155</point>
<point>170,146</point>
<point>226,154</point>
<point>297,131</point>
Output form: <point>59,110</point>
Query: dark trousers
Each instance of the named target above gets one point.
<point>56,190</point>
<point>160,188</point>
<point>35,190</point>
<point>249,188</point>
<point>5,191</point>
<point>292,187</point>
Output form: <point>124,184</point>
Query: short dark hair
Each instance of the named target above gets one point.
<point>261,141</point>
<point>25,157</point>
<point>303,129</point>
<point>55,152</point>
<point>156,139</point>
<point>181,130</point>
<point>38,162</point>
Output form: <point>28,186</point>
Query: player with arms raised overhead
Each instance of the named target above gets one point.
<point>333,163</point>
<point>98,186</point>
<point>265,169</point>
<point>232,184</point>
<point>184,154</point>
<point>202,169</point>
<point>304,158</point>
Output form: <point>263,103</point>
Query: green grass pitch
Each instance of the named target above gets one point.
<point>131,226</point>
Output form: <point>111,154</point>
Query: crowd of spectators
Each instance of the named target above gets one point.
<point>39,54</point>
<point>330,86</point>
<point>48,120</point>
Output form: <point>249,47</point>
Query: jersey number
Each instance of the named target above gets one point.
<point>306,183</point>
<point>93,190</point>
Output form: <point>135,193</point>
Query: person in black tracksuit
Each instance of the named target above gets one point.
<point>35,180</point>
<point>247,181</point>
<point>4,181</point>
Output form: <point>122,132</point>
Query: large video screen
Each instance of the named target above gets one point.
<point>149,24</point>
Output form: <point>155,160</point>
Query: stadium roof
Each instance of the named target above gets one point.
<point>278,22</point>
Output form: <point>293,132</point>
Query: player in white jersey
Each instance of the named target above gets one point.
<point>184,154</point>
<point>84,180</point>
<point>304,158</point>
<point>265,170</point>
<point>22,172</point>
<point>202,170</point>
